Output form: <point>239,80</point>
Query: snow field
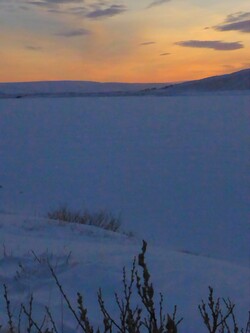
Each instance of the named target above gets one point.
<point>176,168</point>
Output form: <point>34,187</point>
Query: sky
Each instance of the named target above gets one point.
<point>122,40</point>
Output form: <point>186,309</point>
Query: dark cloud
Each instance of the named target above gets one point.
<point>63,1</point>
<point>97,9</point>
<point>157,3</point>
<point>38,4</point>
<point>106,12</point>
<point>147,43</point>
<point>212,44</point>
<point>165,54</point>
<point>237,17</point>
<point>243,26</point>
<point>74,33</point>
<point>239,21</point>
<point>52,3</point>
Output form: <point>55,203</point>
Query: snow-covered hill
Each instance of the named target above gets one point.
<point>86,258</point>
<point>71,87</point>
<point>239,81</point>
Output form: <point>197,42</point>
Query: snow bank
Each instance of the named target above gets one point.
<point>86,258</point>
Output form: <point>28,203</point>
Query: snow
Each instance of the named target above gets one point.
<point>86,258</point>
<point>238,82</point>
<point>179,164</point>
<point>176,168</point>
<point>222,84</point>
<point>61,87</point>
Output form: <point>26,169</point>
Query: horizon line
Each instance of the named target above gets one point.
<point>121,82</point>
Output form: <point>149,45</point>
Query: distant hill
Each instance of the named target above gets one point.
<point>238,81</point>
<point>72,87</point>
<point>234,81</point>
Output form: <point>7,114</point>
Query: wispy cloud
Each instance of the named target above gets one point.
<point>212,44</point>
<point>73,33</point>
<point>106,12</point>
<point>239,21</point>
<point>165,54</point>
<point>147,43</point>
<point>157,3</point>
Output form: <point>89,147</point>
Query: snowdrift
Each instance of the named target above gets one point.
<point>86,258</point>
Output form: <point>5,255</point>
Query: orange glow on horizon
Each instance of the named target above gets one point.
<point>138,45</point>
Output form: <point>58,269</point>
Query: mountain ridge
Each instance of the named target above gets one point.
<point>236,81</point>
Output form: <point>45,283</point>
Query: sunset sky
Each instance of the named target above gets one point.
<point>122,40</point>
